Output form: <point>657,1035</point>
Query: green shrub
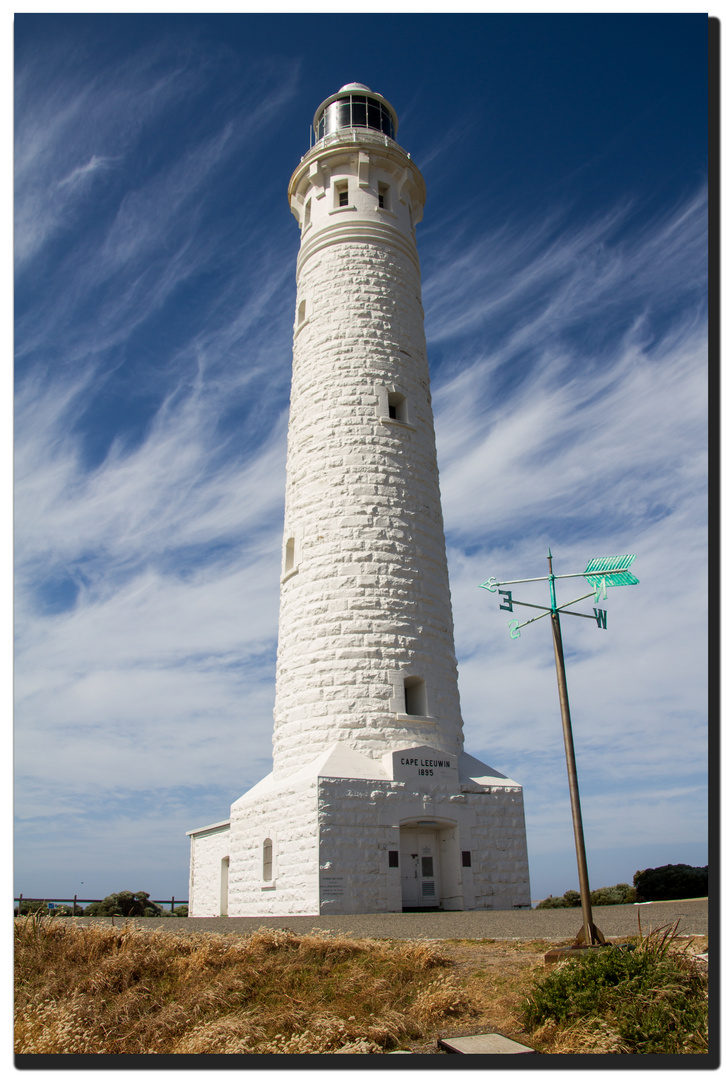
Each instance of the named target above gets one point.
<point>611,894</point>
<point>128,904</point>
<point>571,898</point>
<point>32,907</point>
<point>675,881</point>
<point>652,997</point>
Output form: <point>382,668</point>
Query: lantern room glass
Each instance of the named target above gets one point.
<point>355,110</point>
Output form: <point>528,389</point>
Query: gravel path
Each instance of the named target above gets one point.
<point>555,924</point>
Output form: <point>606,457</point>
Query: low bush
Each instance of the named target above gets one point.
<point>131,905</point>
<point>611,894</point>
<point>40,907</point>
<point>571,898</point>
<point>675,881</point>
<point>650,1000</point>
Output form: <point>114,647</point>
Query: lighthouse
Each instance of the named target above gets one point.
<point>372,804</point>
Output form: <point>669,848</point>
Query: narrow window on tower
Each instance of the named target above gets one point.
<point>306,221</point>
<point>384,196</point>
<point>341,193</point>
<point>289,556</point>
<point>393,859</point>
<point>415,696</point>
<point>392,404</point>
<point>301,313</point>
<point>268,860</point>
<point>397,407</point>
<point>466,858</point>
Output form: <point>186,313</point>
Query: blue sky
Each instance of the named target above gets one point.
<point>563,253</point>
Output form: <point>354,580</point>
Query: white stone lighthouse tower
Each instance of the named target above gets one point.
<point>372,805</point>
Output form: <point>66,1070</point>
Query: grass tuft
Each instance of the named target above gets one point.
<point>651,1000</point>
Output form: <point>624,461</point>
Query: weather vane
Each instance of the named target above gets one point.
<point>601,573</point>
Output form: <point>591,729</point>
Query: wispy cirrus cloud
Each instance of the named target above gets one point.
<point>130,227</point>
<point>557,412</point>
<point>84,172</point>
<point>518,282</point>
<point>68,117</point>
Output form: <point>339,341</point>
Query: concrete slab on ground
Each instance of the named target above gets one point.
<point>483,1044</point>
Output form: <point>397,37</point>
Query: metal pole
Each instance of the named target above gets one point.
<point>590,933</point>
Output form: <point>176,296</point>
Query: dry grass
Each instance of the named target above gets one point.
<point>126,991</point>
<point>123,990</point>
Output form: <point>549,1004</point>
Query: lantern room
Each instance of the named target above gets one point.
<point>354,106</point>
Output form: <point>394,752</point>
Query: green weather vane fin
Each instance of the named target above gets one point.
<point>611,570</point>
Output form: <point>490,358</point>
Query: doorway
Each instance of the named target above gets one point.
<point>224,880</point>
<point>420,869</point>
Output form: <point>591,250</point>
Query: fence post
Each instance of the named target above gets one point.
<point>74,902</point>
<point>20,904</point>
<point>172,905</point>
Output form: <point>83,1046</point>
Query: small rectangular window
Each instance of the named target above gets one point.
<point>342,194</point>
<point>290,555</point>
<point>384,196</point>
<point>466,858</point>
<point>268,860</point>
<point>397,407</point>
<point>306,223</point>
<point>415,696</point>
<point>393,858</point>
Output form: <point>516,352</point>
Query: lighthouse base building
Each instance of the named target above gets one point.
<point>372,804</point>
<point>349,835</point>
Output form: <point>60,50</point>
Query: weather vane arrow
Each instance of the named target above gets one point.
<point>600,573</point>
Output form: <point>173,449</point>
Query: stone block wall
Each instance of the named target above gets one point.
<point>359,825</point>
<point>286,815</point>
<point>368,597</point>
<point>500,872</point>
<point>208,848</point>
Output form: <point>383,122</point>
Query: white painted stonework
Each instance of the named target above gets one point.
<point>372,804</point>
